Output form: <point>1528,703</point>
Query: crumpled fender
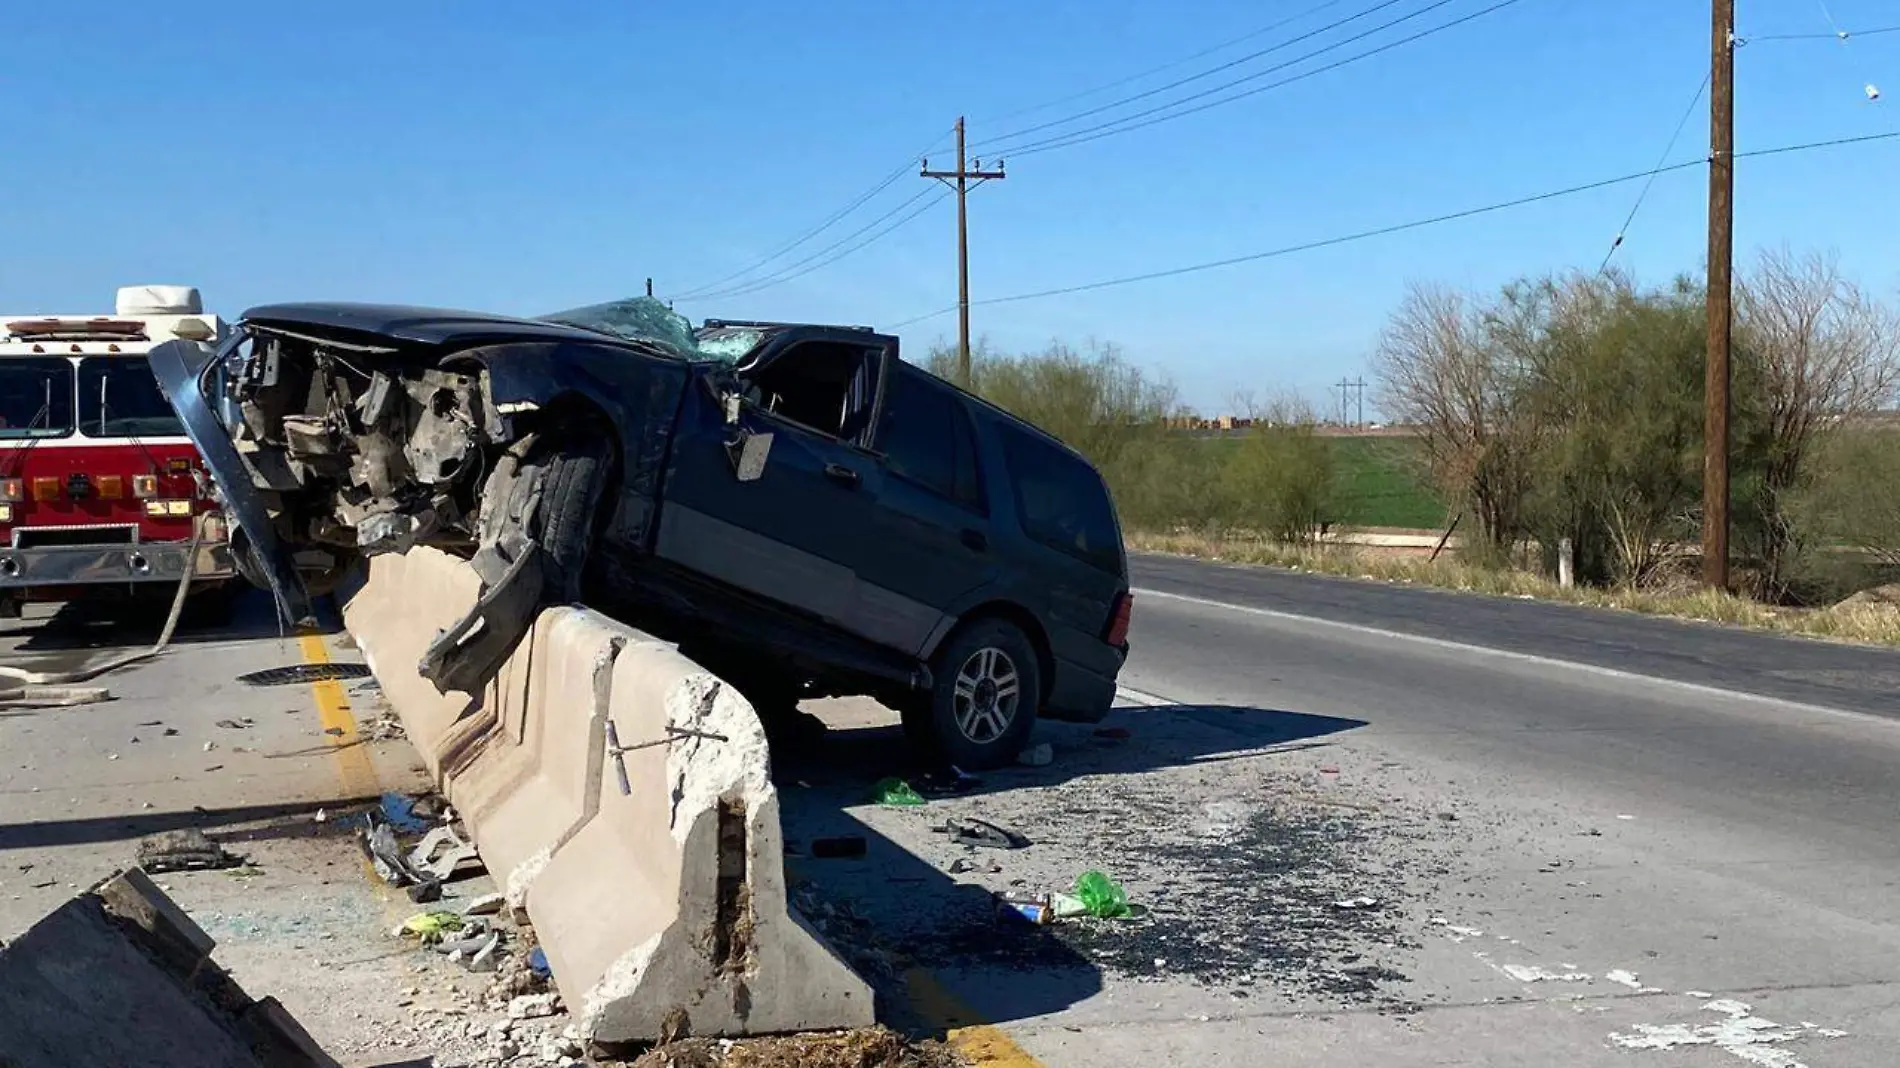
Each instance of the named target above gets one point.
<point>181,367</point>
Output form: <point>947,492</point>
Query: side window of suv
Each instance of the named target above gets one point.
<point>927,438</point>
<point>1062,502</point>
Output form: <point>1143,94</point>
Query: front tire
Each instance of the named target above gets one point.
<point>569,517</point>
<point>986,691</point>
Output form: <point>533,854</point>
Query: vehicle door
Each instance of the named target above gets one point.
<point>932,548</point>
<point>792,533</point>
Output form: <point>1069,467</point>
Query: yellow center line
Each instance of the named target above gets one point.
<point>984,1044</point>
<point>354,767</point>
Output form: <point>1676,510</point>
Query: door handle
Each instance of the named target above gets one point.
<point>975,539</point>
<point>841,473</point>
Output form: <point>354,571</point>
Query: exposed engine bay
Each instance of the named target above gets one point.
<point>398,453</point>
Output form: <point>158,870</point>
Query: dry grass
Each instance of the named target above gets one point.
<point>871,1047</point>
<point>1857,621</point>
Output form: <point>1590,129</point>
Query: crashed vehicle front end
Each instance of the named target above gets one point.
<point>342,432</point>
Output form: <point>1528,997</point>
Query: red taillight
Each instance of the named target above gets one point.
<point>1118,623</point>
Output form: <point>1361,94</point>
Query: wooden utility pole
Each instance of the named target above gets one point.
<point>1715,436</point>
<point>963,179</point>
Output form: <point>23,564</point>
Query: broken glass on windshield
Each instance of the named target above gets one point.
<point>649,319</point>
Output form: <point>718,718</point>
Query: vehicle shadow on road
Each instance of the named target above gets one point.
<point>238,824</point>
<point>79,626</point>
<point>933,940</point>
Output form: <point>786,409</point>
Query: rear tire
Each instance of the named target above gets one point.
<point>986,691</point>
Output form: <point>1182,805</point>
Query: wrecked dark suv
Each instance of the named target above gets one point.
<point>795,505</point>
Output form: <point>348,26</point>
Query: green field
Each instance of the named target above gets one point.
<point>1376,483</point>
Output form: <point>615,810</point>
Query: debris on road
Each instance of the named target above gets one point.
<point>441,854</point>
<point>400,811</point>
<point>430,927</point>
<point>485,905</point>
<point>1361,902</point>
<point>1103,897</point>
<point>895,792</point>
<point>981,833</point>
<point>187,850</point>
<point>237,724</point>
<point>533,1006</point>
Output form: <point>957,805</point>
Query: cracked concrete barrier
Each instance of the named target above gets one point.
<point>394,609</point>
<point>621,794</point>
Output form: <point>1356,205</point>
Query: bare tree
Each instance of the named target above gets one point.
<point>1827,354</point>
<point>1439,367</point>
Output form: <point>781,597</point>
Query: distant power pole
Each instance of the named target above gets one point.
<point>1715,435</point>
<point>965,179</point>
<point>1359,400</point>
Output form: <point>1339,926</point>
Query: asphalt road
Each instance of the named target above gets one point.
<point>1710,809</point>
<point>1361,824</point>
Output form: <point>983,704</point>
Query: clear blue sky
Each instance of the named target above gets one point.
<point>526,158</point>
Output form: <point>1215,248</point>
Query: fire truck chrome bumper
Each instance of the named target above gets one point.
<point>83,565</point>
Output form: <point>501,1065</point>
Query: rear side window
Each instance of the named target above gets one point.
<point>926,438</point>
<point>1062,502</point>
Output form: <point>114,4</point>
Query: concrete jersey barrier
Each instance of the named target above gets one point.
<point>621,794</point>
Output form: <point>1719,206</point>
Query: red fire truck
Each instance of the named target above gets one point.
<point>101,492</point>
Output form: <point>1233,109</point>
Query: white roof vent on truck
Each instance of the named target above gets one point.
<point>159,300</point>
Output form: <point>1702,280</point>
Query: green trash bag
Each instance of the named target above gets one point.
<point>895,792</point>
<point>1101,895</point>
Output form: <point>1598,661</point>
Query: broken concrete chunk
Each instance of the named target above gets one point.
<point>120,975</point>
<point>183,851</point>
<point>532,1006</point>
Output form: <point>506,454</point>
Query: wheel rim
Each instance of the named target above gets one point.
<point>988,695</point>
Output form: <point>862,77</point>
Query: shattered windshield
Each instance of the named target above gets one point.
<point>649,319</point>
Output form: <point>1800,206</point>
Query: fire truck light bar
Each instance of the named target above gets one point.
<point>76,329</point>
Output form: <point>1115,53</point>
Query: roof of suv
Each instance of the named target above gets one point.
<point>419,325</point>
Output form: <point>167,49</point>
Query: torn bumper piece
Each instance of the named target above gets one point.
<point>120,975</point>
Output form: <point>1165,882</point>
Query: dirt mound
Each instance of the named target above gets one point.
<point>871,1047</point>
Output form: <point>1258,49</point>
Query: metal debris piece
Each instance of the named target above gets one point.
<point>975,832</point>
<point>441,853</point>
<point>183,851</point>
<point>305,673</point>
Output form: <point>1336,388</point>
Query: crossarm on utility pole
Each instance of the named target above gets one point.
<point>963,179</point>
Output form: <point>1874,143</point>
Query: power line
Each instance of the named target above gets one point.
<point>1183,61</point>
<point>1176,84</point>
<point>1122,124</point>
<point>885,183</point>
<point>1401,227</point>
<point>1837,35</point>
<point>1660,160</point>
<point>791,273</point>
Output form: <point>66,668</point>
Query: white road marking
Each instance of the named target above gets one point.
<point>1740,1034</point>
<point>1507,654</point>
<point>1145,700</point>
